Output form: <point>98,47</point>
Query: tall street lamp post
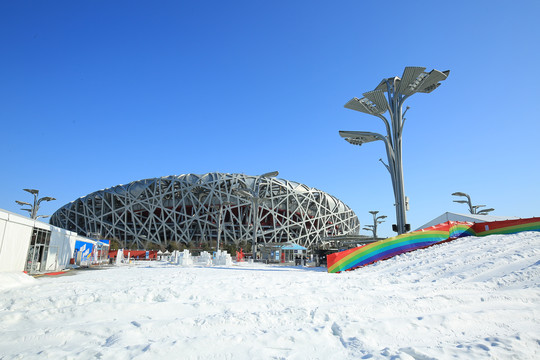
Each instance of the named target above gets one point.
<point>253,195</point>
<point>35,207</point>
<point>376,103</point>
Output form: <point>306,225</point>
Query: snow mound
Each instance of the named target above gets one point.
<point>9,280</point>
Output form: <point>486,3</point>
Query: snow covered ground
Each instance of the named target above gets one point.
<point>470,299</point>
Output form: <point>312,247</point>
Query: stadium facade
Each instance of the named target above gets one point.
<point>195,208</point>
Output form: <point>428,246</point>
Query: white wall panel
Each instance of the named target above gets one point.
<point>3,222</point>
<point>61,243</point>
<point>15,237</point>
<point>15,244</point>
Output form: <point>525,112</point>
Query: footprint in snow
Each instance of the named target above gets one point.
<point>336,330</point>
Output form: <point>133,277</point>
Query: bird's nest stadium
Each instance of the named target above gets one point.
<point>200,208</point>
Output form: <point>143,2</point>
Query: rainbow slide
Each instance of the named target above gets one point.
<point>448,231</point>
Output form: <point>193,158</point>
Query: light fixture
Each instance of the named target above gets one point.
<point>34,208</point>
<point>389,96</point>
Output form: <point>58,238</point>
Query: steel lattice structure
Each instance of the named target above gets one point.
<point>194,208</point>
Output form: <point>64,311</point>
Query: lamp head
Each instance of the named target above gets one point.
<point>360,137</point>
<point>414,79</point>
<point>354,141</point>
<point>485,211</point>
<point>424,82</point>
<point>367,106</point>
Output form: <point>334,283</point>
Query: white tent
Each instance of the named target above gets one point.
<point>449,216</point>
<point>34,246</point>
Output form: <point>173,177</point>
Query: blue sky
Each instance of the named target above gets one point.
<point>96,94</point>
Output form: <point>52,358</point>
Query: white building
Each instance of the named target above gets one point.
<point>36,247</point>
<point>193,208</point>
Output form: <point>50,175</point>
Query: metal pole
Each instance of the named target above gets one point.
<point>397,123</point>
<point>375,226</point>
<point>255,199</point>
<point>35,207</point>
<point>219,226</point>
<point>469,202</point>
<point>392,168</point>
<point>255,221</point>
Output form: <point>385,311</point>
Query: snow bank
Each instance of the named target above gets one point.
<point>10,280</point>
<point>471,298</point>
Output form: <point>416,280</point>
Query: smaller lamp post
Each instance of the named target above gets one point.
<point>473,209</point>
<point>376,221</point>
<point>35,207</point>
<point>253,195</point>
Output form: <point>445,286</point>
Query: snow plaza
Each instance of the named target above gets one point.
<point>472,298</point>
